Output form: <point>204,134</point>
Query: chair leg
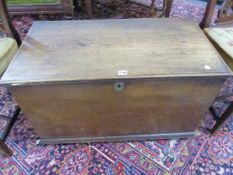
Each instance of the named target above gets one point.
<point>4,150</point>
<point>213,113</point>
<point>152,9</point>
<point>221,119</point>
<point>88,4</point>
<point>11,123</point>
<point>209,13</point>
<point>168,8</point>
<point>10,30</point>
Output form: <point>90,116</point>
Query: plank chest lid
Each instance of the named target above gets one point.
<point>113,49</point>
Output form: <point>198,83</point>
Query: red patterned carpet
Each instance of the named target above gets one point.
<point>204,154</point>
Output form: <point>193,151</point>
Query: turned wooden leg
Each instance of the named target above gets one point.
<point>88,4</point>
<point>168,8</point>
<point>152,9</point>
<point>4,150</point>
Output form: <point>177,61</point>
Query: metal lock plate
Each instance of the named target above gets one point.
<point>119,86</point>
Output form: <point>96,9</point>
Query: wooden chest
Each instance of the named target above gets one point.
<point>110,80</point>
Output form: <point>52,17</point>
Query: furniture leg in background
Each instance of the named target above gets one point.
<point>4,150</point>
<point>208,14</point>
<point>224,15</point>
<point>167,5</point>
<point>88,4</point>
<point>225,115</point>
<point>152,9</point>
<point>8,26</point>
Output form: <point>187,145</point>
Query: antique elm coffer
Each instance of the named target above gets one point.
<point>110,80</point>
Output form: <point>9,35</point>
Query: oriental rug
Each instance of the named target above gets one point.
<point>203,154</point>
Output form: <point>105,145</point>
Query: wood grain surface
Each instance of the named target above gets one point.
<point>95,109</point>
<point>65,78</point>
<point>89,50</point>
